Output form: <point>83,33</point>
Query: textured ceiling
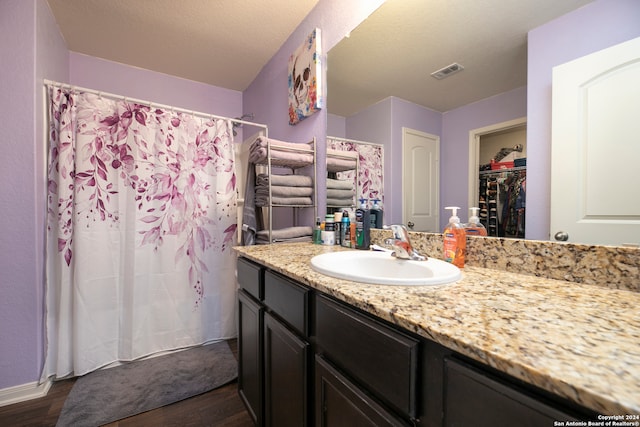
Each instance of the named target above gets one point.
<point>226,43</point>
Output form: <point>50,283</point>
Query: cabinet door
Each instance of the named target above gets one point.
<point>250,368</point>
<point>382,358</point>
<point>339,402</point>
<point>472,398</point>
<point>286,366</point>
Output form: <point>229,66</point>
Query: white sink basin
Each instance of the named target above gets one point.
<point>381,268</point>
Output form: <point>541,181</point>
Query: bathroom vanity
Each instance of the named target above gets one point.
<point>493,349</point>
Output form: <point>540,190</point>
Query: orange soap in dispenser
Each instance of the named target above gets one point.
<point>474,227</point>
<point>455,239</point>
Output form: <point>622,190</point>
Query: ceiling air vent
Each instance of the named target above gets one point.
<point>447,71</point>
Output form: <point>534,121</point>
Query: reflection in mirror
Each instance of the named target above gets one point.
<point>386,63</point>
<point>502,174</point>
<point>358,163</point>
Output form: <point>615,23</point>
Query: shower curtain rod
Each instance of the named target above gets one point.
<point>151,104</point>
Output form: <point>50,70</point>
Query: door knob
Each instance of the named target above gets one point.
<point>561,236</point>
<point>410,225</point>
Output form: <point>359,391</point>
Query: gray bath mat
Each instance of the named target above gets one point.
<point>108,395</point>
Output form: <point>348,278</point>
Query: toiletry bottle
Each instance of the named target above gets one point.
<point>337,219</point>
<point>317,237</point>
<point>345,230</point>
<point>352,228</point>
<point>376,214</point>
<point>329,233</point>
<point>455,239</point>
<point>363,225</point>
<point>474,227</point>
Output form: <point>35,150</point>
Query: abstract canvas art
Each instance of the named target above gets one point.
<point>305,75</point>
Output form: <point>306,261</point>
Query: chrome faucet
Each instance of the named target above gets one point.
<point>402,244</point>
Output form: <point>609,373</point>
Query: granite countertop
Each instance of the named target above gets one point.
<point>578,341</point>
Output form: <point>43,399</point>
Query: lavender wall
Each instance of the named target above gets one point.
<point>99,74</point>
<point>29,37</point>
<point>267,98</point>
<point>454,145</point>
<point>412,116</point>
<point>336,126</point>
<point>596,26</point>
<point>382,123</point>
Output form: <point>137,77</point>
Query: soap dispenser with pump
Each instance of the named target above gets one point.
<point>376,214</point>
<point>363,226</point>
<point>455,239</point>
<point>474,227</point>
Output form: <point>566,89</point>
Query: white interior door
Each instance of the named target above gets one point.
<point>420,180</point>
<point>595,191</point>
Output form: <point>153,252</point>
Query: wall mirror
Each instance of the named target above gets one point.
<point>481,45</point>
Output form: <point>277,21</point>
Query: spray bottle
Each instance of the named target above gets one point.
<point>474,227</point>
<point>345,238</point>
<point>455,239</point>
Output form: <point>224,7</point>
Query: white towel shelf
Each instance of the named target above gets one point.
<point>297,158</point>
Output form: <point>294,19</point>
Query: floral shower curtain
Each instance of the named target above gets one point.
<point>371,166</point>
<point>141,220</point>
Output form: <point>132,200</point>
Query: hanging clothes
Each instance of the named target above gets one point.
<point>511,210</point>
<point>502,202</point>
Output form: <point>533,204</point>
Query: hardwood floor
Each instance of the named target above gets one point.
<point>221,407</point>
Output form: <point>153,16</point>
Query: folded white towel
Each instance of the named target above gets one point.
<point>262,141</point>
<point>280,157</point>
<point>285,233</point>
<point>265,240</point>
<point>286,201</point>
<point>333,193</point>
<point>341,154</point>
<point>340,184</point>
<point>285,180</point>
<point>281,191</point>
<point>340,202</point>
<point>340,165</point>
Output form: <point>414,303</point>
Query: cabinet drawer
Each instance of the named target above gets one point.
<point>340,402</point>
<point>287,300</point>
<point>472,397</point>
<point>250,278</point>
<point>383,359</point>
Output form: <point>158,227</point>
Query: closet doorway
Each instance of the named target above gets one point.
<point>497,176</point>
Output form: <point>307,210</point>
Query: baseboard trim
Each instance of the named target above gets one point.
<point>24,392</point>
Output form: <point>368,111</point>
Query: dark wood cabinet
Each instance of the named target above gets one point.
<point>341,403</point>
<point>381,357</point>
<point>473,397</point>
<point>273,351</point>
<point>286,368</point>
<point>250,367</point>
<point>287,300</point>
<point>250,336</point>
<point>309,359</point>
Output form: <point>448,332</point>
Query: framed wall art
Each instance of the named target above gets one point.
<point>305,78</point>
